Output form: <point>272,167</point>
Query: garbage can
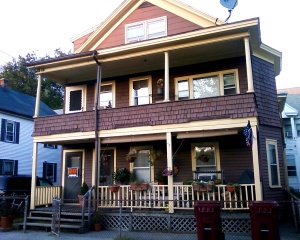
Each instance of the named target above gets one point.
<point>209,225</point>
<point>264,220</point>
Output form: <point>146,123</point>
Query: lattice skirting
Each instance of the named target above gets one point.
<point>179,223</point>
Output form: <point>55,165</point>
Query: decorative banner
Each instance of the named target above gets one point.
<point>248,135</point>
<point>72,172</point>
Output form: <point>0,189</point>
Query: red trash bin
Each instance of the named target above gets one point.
<point>264,220</point>
<point>208,217</point>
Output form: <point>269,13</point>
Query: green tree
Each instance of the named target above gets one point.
<point>22,79</point>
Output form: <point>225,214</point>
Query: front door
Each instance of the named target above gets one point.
<point>73,175</point>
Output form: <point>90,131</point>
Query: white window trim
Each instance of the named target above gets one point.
<point>113,83</point>
<point>74,88</point>
<point>203,144</point>
<point>273,142</point>
<point>145,28</point>
<point>131,80</point>
<point>190,78</point>
<point>13,131</point>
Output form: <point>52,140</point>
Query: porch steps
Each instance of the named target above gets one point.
<point>40,219</point>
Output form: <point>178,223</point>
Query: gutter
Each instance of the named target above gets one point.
<point>97,144</point>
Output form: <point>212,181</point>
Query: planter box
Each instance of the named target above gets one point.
<point>139,186</point>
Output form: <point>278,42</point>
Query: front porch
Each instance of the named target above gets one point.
<point>157,197</point>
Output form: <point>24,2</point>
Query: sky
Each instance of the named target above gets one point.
<point>41,26</point>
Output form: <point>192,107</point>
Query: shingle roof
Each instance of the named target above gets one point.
<point>294,101</point>
<point>21,104</point>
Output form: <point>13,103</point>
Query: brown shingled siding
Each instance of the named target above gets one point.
<point>265,92</point>
<point>234,106</point>
<point>176,25</point>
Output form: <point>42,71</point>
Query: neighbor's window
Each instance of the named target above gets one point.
<point>291,165</point>
<point>140,91</point>
<point>75,99</point>
<point>10,131</point>
<point>273,165</point>
<point>148,29</point>
<point>207,85</point>
<point>107,95</point>
<point>8,167</point>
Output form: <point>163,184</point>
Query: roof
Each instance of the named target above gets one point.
<point>293,97</point>
<point>21,104</point>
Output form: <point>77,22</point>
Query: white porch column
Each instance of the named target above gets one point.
<point>257,182</point>
<point>248,65</point>
<point>294,131</point>
<point>33,174</point>
<point>167,83</point>
<point>38,97</point>
<point>170,167</point>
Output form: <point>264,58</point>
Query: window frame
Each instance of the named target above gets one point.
<point>131,81</point>
<point>69,89</point>
<point>273,143</point>
<point>220,74</point>
<point>12,163</point>
<point>145,26</point>
<point>54,171</point>
<point>113,89</point>
<point>217,165</point>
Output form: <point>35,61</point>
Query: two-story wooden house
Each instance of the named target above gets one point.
<point>161,76</point>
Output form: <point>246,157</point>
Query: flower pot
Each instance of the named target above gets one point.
<point>80,201</point>
<point>139,186</point>
<point>6,221</point>
<point>114,189</point>
<point>97,227</point>
<point>230,188</point>
<point>199,188</point>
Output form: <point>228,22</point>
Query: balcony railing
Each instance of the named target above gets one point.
<point>184,197</point>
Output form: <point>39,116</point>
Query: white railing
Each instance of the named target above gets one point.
<point>45,195</point>
<point>184,197</point>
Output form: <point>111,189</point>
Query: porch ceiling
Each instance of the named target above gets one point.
<point>147,61</point>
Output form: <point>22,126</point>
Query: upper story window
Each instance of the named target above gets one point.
<point>273,165</point>
<point>10,131</point>
<point>140,91</point>
<point>207,85</point>
<point>149,29</point>
<point>75,99</point>
<point>107,95</point>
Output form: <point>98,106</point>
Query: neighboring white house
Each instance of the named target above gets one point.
<point>291,128</point>
<point>16,127</point>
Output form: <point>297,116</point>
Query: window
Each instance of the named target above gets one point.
<point>291,165</point>
<point>51,146</point>
<point>8,167</point>
<point>10,131</point>
<point>207,85</point>
<point>75,99</point>
<point>140,91</point>
<point>205,156</point>
<point>50,171</point>
<point>148,29</point>
<point>141,166</point>
<point>273,165</point>
<point>107,95</point>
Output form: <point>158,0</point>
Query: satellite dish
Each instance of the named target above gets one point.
<point>230,4</point>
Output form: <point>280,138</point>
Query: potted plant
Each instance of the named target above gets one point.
<point>154,156</point>
<point>232,187</point>
<point>83,190</point>
<point>6,216</point>
<point>122,176</point>
<point>97,221</point>
<point>204,156</point>
<point>131,156</point>
<point>114,188</point>
<point>210,185</point>
<point>139,185</point>
<point>199,186</point>
<point>160,178</point>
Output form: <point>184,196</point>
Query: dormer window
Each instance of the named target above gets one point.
<point>145,30</point>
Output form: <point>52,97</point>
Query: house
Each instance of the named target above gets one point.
<point>16,116</point>
<point>291,129</point>
<point>161,76</point>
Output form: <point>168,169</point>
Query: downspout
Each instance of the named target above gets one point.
<point>97,145</point>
